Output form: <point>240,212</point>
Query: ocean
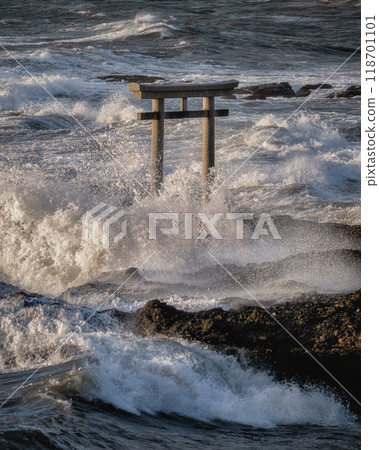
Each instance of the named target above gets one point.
<point>76,143</point>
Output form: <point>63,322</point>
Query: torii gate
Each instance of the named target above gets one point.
<point>158,92</point>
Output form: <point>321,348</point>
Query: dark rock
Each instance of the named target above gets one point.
<point>327,326</point>
<point>302,92</point>
<point>130,78</point>
<point>255,97</point>
<point>308,88</point>
<point>262,91</point>
<point>351,91</point>
<point>7,289</point>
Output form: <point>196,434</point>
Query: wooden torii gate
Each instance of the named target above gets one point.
<point>158,92</point>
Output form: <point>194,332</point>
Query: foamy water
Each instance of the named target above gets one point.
<point>146,375</point>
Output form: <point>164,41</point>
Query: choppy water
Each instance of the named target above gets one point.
<point>123,390</point>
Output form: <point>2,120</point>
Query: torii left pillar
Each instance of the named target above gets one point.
<point>157,144</point>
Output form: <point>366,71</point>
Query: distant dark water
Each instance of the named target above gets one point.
<point>98,426</point>
<point>246,35</point>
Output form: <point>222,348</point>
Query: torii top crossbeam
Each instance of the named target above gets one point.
<point>183,90</point>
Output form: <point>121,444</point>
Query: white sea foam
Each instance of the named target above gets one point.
<point>26,97</point>
<point>115,109</point>
<point>305,150</point>
<point>142,24</point>
<point>43,249</point>
<point>26,93</point>
<point>153,375</point>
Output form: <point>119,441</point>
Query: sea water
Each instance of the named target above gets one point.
<point>63,154</point>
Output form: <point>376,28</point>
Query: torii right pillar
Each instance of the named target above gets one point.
<point>208,145</point>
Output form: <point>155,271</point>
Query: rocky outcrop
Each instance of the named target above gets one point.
<point>262,91</point>
<point>308,88</point>
<point>324,325</point>
<point>351,91</point>
<point>278,338</point>
<point>130,78</point>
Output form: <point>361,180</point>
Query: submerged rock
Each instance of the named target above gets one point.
<point>308,88</point>
<point>262,91</point>
<point>351,91</point>
<point>130,78</point>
